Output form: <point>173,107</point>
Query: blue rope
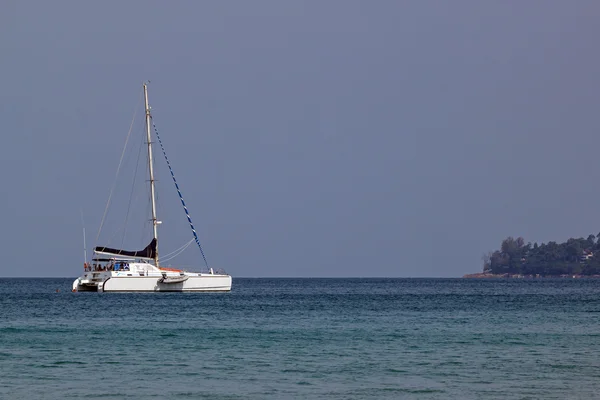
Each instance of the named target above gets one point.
<point>180,195</point>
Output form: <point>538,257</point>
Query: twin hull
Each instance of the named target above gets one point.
<point>200,283</point>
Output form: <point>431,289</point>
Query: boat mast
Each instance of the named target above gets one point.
<point>151,170</point>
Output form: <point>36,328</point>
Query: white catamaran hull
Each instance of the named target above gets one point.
<point>201,283</point>
<point>151,284</point>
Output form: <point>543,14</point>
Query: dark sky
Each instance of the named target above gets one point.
<point>309,138</point>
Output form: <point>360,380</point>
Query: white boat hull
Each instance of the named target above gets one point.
<point>109,282</point>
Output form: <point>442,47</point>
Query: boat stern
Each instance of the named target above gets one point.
<point>90,282</point>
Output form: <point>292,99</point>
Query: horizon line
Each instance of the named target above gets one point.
<point>270,277</point>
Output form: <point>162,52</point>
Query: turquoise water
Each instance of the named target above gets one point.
<point>304,338</point>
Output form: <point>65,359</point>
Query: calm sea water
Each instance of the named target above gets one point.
<point>304,338</point>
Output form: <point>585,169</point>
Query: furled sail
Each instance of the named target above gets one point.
<point>148,252</point>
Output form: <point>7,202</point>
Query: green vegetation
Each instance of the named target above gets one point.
<point>573,257</point>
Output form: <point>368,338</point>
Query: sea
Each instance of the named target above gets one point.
<point>304,339</point>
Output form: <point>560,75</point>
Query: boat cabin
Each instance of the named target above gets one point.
<point>110,264</point>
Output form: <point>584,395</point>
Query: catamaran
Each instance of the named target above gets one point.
<point>117,270</point>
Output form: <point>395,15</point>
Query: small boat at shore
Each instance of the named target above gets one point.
<point>118,270</point>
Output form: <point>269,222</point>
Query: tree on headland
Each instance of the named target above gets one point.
<point>487,261</point>
<point>591,240</point>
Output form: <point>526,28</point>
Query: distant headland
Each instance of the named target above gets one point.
<point>575,258</point>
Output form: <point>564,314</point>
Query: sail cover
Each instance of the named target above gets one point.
<point>148,252</point>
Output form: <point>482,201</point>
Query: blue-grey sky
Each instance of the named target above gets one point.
<point>310,138</point>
